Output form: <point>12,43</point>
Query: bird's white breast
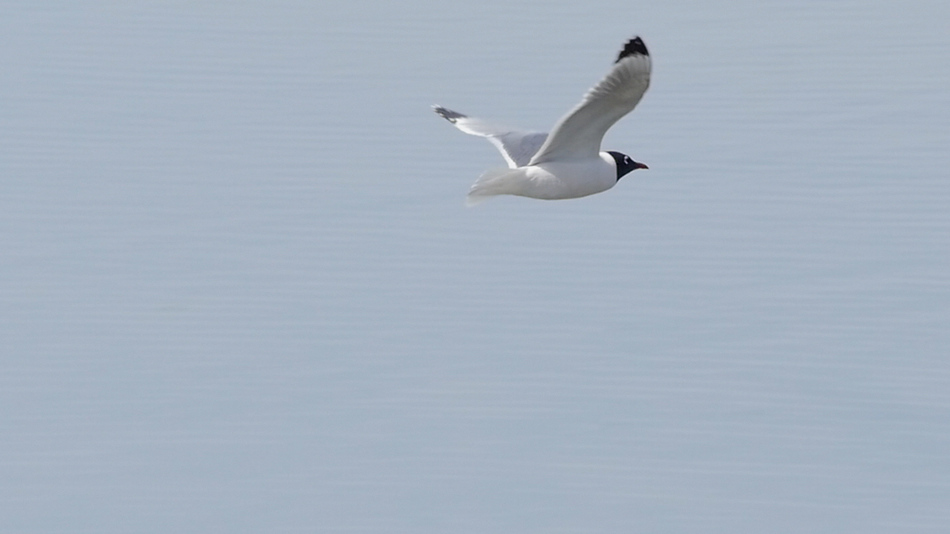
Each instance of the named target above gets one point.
<point>571,178</point>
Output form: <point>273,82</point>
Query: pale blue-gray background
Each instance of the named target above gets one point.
<point>239,291</point>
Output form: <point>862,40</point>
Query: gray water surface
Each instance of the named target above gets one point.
<point>239,290</point>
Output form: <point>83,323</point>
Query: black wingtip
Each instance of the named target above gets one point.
<point>634,47</point>
<point>448,114</point>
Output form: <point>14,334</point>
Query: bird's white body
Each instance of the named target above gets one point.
<point>553,180</point>
<point>568,162</point>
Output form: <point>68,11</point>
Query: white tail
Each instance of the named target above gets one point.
<point>494,182</point>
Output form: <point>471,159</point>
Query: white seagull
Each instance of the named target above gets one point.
<point>567,163</point>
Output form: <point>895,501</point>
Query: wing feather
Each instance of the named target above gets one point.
<point>579,133</point>
<point>516,147</point>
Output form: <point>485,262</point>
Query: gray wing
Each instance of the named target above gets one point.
<point>516,146</point>
<point>579,133</point>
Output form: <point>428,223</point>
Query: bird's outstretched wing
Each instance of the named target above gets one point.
<point>579,133</point>
<point>516,146</point>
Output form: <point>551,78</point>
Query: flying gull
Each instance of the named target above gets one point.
<point>567,163</point>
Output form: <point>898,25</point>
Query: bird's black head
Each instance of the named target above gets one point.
<point>625,164</point>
